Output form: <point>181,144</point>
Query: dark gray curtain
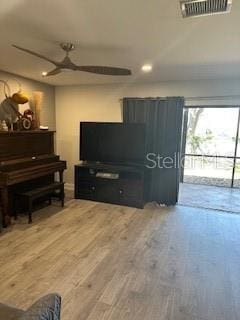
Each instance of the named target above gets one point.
<point>163,121</point>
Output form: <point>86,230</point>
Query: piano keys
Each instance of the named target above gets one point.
<point>27,158</point>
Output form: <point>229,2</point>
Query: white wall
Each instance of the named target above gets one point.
<point>48,115</point>
<point>102,103</point>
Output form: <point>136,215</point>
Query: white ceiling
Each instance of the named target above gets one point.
<point>124,33</point>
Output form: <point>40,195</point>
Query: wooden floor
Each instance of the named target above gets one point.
<point>117,263</point>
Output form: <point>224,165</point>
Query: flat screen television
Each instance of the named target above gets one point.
<point>109,142</point>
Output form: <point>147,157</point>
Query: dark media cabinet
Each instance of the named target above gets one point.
<point>125,186</point>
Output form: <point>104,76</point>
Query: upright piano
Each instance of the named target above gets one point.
<point>27,160</point>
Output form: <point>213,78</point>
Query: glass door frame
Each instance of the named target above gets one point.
<point>184,140</point>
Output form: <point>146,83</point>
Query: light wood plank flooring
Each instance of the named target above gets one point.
<point>116,263</point>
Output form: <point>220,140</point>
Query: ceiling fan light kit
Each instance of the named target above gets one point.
<point>67,64</point>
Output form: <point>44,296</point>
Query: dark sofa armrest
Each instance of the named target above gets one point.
<point>10,313</point>
<point>46,308</point>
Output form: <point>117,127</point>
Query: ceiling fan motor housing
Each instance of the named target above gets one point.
<point>66,46</point>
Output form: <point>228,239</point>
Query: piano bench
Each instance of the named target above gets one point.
<point>37,193</point>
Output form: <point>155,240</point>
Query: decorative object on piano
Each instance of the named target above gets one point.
<point>3,126</point>
<point>6,107</point>
<point>27,120</point>
<point>37,102</point>
<point>9,106</point>
<point>43,128</point>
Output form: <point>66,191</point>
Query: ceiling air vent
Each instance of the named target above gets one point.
<point>194,8</point>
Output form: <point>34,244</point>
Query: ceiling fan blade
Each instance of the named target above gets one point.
<point>53,72</point>
<point>111,71</point>
<point>36,54</point>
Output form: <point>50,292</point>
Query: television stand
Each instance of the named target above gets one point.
<point>117,184</point>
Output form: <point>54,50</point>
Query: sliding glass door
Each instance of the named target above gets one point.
<point>237,162</point>
<point>211,146</point>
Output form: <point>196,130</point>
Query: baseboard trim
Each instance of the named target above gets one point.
<point>69,186</point>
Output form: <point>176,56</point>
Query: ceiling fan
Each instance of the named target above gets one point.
<point>67,64</point>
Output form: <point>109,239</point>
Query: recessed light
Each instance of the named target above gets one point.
<point>44,73</point>
<point>147,68</point>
